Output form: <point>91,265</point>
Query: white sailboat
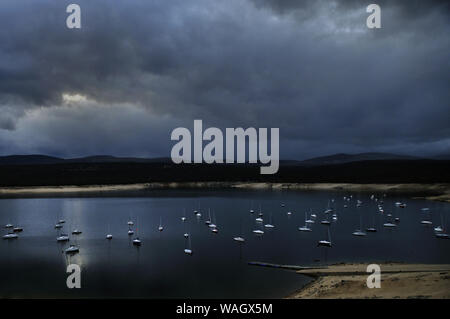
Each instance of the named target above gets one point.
<point>442,235</point>
<point>310,220</point>
<point>188,249</point>
<point>10,236</point>
<point>109,235</point>
<point>73,249</point>
<point>359,231</point>
<point>136,240</point>
<point>270,224</point>
<point>62,238</point>
<point>326,242</point>
<point>306,227</point>
<point>208,221</point>
<point>258,231</point>
<point>389,223</point>
<point>372,229</point>
<point>427,218</point>
<point>439,229</point>
<point>240,239</point>
<point>213,225</point>
<point>17,229</point>
<point>160,227</point>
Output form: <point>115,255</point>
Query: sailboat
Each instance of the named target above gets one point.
<point>440,228</point>
<point>137,241</point>
<point>327,242</point>
<point>306,227</point>
<point>130,231</point>
<point>197,212</point>
<point>260,211</point>
<point>76,231</point>
<point>258,231</point>
<point>372,229</point>
<point>251,208</point>
<point>325,222</point>
<point>188,249</point>
<point>183,218</point>
<point>62,238</point>
<point>310,220</point>
<point>259,219</point>
<point>442,235</point>
<point>240,239</point>
<point>109,235</point>
<point>72,249</point>
<point>329,209</point>
<point>17,229</point>
<point>389,223</point>
<point>186,234</point>
<point>160,228</point>
<point>427,219</point>
<point>270,225</point>
<point>10,236</point>
<point>208,221</point>
<point>359,232</point>
<point>9,225</point>
<point>213,225</point>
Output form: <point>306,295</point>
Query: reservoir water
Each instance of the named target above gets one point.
<point>34,265</point>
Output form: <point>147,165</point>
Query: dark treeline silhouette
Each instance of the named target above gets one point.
<point>92,173</point>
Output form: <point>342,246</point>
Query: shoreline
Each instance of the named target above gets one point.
<point>435,192</point>
<point>398,281</point>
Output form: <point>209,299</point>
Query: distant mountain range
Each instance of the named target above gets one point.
<point>323,160</point>
<point>347,158</point>
<point>44,159</point>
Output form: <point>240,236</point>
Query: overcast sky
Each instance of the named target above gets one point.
<point>138,69</point>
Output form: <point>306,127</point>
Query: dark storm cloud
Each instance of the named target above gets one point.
<point>311,68</point>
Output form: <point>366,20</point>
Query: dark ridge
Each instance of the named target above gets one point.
<point>44,159</point>
<point>346,158</point>
<point>92,173</point>
<point>29,159</point>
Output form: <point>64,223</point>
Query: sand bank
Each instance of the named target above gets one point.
<point>397,281</point>
<point>439,192</point>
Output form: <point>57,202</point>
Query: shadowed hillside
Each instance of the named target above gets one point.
<point>91,173</point>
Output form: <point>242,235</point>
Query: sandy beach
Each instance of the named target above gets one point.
<point>398,281</point>
<point>438,192</point>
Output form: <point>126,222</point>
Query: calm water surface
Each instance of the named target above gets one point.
<point>34,265</point>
